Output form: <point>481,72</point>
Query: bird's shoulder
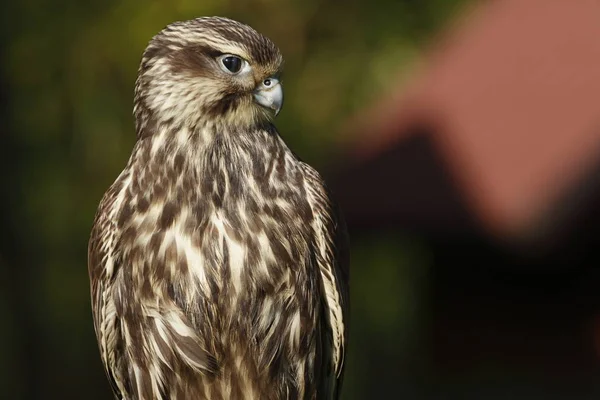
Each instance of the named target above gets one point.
<point>328,220</point>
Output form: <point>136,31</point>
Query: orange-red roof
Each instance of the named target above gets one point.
<point>512,96</point>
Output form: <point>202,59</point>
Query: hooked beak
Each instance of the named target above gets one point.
<point>269,94</point>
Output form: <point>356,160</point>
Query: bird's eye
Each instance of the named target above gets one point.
<point>232,63</point>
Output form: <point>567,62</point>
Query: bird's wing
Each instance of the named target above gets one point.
<point>141,340</point>
<point>103,264</point>
<point>331,245</point>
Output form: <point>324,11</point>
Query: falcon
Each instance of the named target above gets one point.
<point>218,260</point>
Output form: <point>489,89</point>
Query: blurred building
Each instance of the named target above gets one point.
<point>492,154</point>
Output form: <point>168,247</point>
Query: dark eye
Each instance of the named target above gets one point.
<point>232,63</point>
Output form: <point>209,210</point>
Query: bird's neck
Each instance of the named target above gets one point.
<point>211,160</point>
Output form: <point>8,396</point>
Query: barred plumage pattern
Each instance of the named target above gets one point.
<point>218,261</point>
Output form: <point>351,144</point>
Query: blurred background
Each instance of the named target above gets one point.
<point>462,139</point>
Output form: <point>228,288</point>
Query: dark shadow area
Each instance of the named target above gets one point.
<point>407,187</point>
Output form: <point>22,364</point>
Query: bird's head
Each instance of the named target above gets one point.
<point>208,69</point>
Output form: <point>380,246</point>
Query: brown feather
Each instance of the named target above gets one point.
<point>218,260</point>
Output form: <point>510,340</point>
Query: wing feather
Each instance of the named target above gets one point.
<point>103,265</point>
<point>331,245</point>
<point>130,333</point>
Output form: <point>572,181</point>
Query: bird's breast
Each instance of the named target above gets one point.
<point>236,252</point>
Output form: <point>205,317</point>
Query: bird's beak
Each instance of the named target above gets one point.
<point>269,94</point>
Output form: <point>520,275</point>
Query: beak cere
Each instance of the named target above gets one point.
<point>269,94</point>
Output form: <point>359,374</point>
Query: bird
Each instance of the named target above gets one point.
<point>218,259</point>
